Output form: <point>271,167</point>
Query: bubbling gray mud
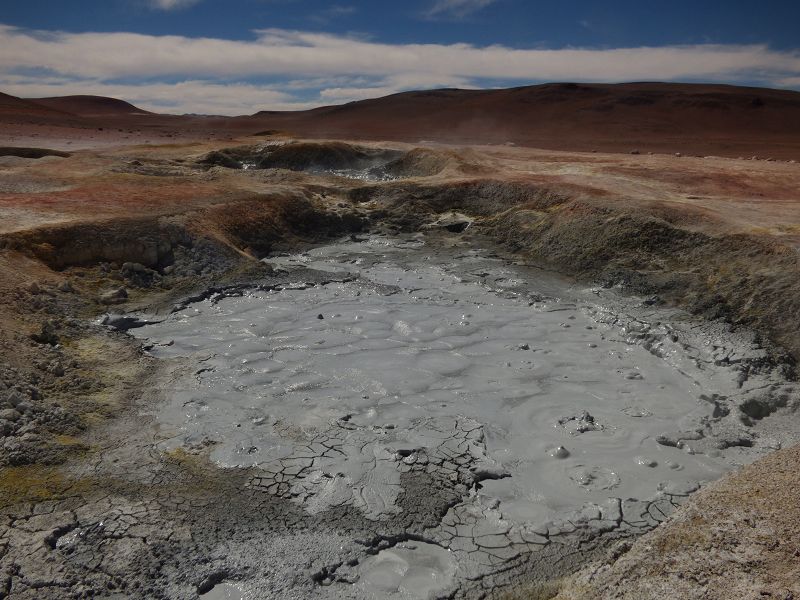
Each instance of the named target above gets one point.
<point>549,409</point>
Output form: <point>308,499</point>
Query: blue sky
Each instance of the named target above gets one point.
<point>239,56</point>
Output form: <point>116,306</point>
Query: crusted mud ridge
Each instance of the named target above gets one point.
<point>105,496</point>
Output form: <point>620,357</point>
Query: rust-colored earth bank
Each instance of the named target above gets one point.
<point>681,196</point>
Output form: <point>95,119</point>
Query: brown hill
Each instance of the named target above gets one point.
<point>11,105</point>
<point>649,117</point>
<point>645,116</point>
<point>90,106</point>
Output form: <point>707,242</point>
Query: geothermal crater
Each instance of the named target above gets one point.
<point>334,158</point>
<point>262,367</point>
<point>498,412</point>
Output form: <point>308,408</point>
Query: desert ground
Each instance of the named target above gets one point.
<point>138,251</point>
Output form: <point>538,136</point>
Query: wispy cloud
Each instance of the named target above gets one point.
<point>333,12</point>
<point>455,9</point>
<point>296,53</point>
<point>303,68</point>
<point>171,4</point>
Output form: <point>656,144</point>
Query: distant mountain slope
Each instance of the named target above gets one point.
<point>564,112</point>
<point>11,105</point>
<point>90,106</point>
<point>646,117</point>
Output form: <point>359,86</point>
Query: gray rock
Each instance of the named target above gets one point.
<point>116,296</point>
<point>47,335</point>
<point>134,267</point>
<point>121,322</point>
<point>14,398</point>
<point>10,414</point>
<point>56,368</point>
<point>454,222</point>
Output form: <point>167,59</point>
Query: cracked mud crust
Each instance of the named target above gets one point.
<point>300,392</point>
<point>95,501</point>
<point>740,538</point>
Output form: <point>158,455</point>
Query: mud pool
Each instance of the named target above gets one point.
<point>385,370</point>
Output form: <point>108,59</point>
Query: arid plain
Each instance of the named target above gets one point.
<point>672,203</point>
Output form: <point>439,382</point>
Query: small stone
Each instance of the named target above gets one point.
<point>56,369</point>
<point>133,267</point>
<point>66,286</point>
<point>524,347</point>
<point>33,287</point>
<point>319,316</point>
<point>120,322</point>
<point>115,296</point>
<point>10,414</point>
<point>559,452</point>
<point>14,398</point>
<point>47,335</point>
<point>646,462</point>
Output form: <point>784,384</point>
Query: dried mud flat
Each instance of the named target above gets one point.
<point>179,422</point>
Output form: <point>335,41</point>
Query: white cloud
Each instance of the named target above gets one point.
<point>278,52</point>
<point>171,4</point>
<point>456,8</point>
<point>325,68</point>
